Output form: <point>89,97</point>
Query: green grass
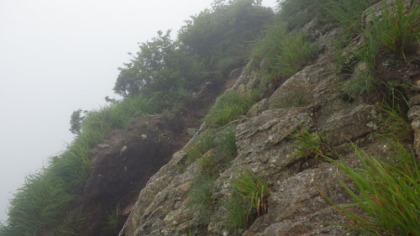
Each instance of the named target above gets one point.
<point>396,124</point>
<point>309,145</point>
<point>388,192</point>
<point>73,225</point>
<point>200,193</point>
<point>228,107</point>
<point>397,32</point>
<point>113,220</point>
<point>359,85</point>
<point>283,54</point>
<point>295,52</point>
<point>42,203</point>
<point>225,145</point>
<point>398,29</point>
<point>222,150</point>
<point>266,49</point>
<point>296,13</point>
<point>39,204</point>
<point>208,165</point>
<point>248,200</point>
<point>200,145</point>
<point>347,13</point>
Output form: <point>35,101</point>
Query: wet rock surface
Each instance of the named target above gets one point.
<point>299,187</point>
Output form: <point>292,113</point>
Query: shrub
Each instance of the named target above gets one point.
<point>387,191</point>
<point>248,200</point>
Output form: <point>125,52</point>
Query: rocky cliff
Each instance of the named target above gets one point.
<point>300,187</point>
<point>318,134</point>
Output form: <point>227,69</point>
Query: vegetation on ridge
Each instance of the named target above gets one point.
<point>164,71</point>
<point>157,77</point>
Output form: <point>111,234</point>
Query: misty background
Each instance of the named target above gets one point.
<point>58,56</point>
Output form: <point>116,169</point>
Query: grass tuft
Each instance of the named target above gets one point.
<point>248,200</point>
<point>309,145</point>
<point>42,203</point>
<point>397,32</point>
<point>113,220</point>
<point>228,107</point>
<point>200,193</point>
<point>388,192</point>
<point>282,54</point>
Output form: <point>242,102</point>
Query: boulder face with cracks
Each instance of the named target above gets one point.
<point>297,203</point>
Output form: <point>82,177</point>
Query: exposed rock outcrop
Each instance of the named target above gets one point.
<point>298,186</point>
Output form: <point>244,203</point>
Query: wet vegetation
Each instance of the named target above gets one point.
<point>165,71</point>
<point>159,75</point>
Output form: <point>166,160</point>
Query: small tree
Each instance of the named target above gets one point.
<point>161,65</point>
<point>76,121</point>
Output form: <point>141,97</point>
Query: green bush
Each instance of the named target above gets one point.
<point>388,192</point>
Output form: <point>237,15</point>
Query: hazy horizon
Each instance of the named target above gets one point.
<point>60,56</point>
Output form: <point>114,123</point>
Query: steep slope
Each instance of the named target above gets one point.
<point>123,162</point>
<point>314,102</point>
<point>330,92</point>
<point>167,87</point>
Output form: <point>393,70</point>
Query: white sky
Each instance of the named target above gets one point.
<point>57,56</point>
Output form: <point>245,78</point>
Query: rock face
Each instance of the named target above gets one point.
<point>296,204</point>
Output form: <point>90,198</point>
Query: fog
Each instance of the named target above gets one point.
<point>57,56</point>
